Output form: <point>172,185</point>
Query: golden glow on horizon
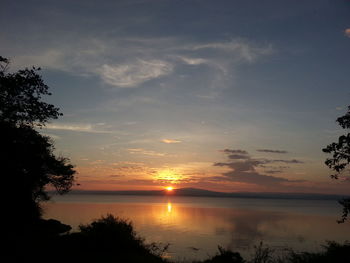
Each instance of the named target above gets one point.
<point>168,176</point>
<point>169,188</point>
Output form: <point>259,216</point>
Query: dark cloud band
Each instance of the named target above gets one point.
<point>271,151</point>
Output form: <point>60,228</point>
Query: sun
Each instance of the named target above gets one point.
<point>169,188</point>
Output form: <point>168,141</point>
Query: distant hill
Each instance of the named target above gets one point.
<point>207,193</point>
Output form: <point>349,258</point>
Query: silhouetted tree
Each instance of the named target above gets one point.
<point>340,157</point>
<point>29,166</point>
<point>28,163</point>
<point>20,97</point>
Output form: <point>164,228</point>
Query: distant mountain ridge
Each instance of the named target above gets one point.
<point>207,193</point>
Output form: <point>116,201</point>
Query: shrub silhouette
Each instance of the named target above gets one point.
<point>334,253</point>
<point>225,256</point>
<point>262,254</point>
<point>109,239</point>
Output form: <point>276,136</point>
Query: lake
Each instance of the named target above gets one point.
<point>195,226</point>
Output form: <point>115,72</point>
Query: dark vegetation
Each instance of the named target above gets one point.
<point>109,239</point>
<point>29,164</point>
<point>30,169</point>
<point>340,160</point>
<point>332,253</point>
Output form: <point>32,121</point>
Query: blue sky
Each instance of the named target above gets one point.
<point>161,92</point>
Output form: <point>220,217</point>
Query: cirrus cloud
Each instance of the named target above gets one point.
<point>133,74</point>
<point>193,61</point>
<point>170,141</point>
<point>77,127</point>
<point>145,152</point>
<point>141,59</point>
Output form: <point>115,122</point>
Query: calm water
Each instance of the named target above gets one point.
<point>195,226</point>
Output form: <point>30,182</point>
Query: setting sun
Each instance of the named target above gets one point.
<point>169,188</point>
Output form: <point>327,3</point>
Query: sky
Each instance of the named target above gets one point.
<point>233,96</point>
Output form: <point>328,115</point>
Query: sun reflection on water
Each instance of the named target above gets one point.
<point>189,222</point>
<point>170,207</point>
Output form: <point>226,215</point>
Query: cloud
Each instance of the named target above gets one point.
<point>70,127</point>
<point>133,74</point>
<point>116,175</point>
<point>244,169</point>
<point>193,61</point>
<point>246,165</point>
<point>97,162</point>
<point>75,127</point>
<point>347,32</point>
<point>144,152</point>
<point>52,58</point>
<point>139,60</point>
<point>271,151</point>
<point>238,156</point>
<point>273,171</point>
<point>170,141</point>
<point>285,161</point>
<point>235,151</point>
<point>240,48</point>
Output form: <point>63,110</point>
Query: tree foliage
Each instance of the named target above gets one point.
<point>340,159</point>
<point>29,164</point>
<point>21,97</point>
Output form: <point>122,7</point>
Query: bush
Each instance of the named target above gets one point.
<point>225,256</point>
<point>109,239</point>
<point>334,253</point>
